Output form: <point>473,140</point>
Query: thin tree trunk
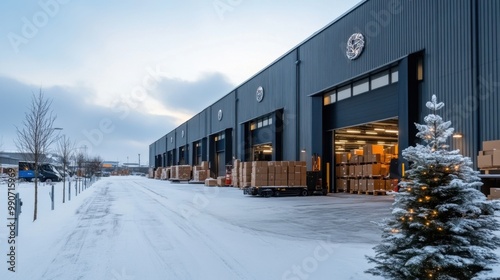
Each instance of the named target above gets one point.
<point>36,196</point>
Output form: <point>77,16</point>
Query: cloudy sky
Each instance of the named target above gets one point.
<point>122,73</point>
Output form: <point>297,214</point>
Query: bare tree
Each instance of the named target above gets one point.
<point>64,149</point>
<point>36,135</point>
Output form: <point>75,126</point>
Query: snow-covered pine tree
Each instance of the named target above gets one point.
<point>441,226</point>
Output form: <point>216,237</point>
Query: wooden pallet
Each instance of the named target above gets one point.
<point>491,170</point>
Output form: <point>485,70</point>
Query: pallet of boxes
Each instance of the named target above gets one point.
<point>235,173</point>
<point>278,173</point>
<point>488,160</point>
<point>165,173</point>
<point>158,173</point>
<point>245,174</point>
<point>180,173</point>
<point>200,172</point>
<point>365,171</point>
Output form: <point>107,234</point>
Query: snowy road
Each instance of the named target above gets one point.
<point>138,228</point>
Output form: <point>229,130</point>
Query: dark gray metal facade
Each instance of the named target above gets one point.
<point>457,39</point>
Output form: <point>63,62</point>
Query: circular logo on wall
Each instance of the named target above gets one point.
<point>219,115</point>
<point>355,46</point>
<point>259,94</point>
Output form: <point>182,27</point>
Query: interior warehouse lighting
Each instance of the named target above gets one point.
<point>391,131</point>
<point>379,129</point>
<point>371,132</point>
<point>353,131</point>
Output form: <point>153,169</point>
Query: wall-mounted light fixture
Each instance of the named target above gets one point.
<point>457,135</point>
<point>303,150</point>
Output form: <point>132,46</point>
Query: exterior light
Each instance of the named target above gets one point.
<point>457,135</point>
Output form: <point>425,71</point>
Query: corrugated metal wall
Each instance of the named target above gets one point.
<point>489,69</point>
<point>278,82</point>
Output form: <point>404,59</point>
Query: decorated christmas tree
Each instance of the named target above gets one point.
<point>441,226</point>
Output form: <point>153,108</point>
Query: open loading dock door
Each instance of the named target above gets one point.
<point>366,157</point>
<point>263,152</point>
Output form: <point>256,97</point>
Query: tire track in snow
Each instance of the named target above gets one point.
<point>93,214</point>
<point>188,228</point>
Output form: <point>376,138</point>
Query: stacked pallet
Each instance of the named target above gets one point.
<point>245,174</point>
<point>297,173</point>
<point>365,170</point>
<point>183,172</point>
<point>235,181</point>
<point>165,173</point>
<point>201,172</point>
<point>489,157</point>
<point>259,175</point>
<point>158,173</point>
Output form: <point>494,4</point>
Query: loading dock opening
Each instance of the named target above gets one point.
<point>365,156</point>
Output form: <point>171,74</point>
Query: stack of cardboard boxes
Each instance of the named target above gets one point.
<point>260,172</point>
<point>183,172</point>
<point>245,174</point>
<point>165,173</point>
<point>235,181</point>
<point>364,170</point>
<point>201,172</point>
<point>489,157</point>
<point>158,173</point>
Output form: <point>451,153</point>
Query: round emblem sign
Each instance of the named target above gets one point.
<point>259,94</point>
<point>219,115</point>
<point>355,46</point>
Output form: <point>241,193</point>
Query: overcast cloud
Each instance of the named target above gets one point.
<point>139,67</point>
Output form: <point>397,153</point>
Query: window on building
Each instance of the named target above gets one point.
<point>420,69</point>
<point>379,80</point>
<point>344,92</point>
<point>394,75</point>
<point>361,86</point>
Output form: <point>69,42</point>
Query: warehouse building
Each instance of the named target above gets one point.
<point>363,79</point>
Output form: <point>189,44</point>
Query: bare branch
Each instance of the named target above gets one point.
<point>36,134</point>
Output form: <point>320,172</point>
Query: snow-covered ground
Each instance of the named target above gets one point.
<point>137,228</point>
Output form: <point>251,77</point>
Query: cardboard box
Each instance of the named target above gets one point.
<point>370,149</point>
<point>358,170</point>
<point>204,165</point>
<point>343,171</point>
<point>221,181</point>
<point>342,184</point>
<point>371,169</point>
<point>353,185</point>
<point>484,161</point>
<point>495,193</point>
<point>342,158</point>
<point>352,170</point>
<point>491,145</point>
<point>373,158</point>
<point>496,158</point>
<point>210,182</point>
<point>259,177</point>
<point>362,185</point>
